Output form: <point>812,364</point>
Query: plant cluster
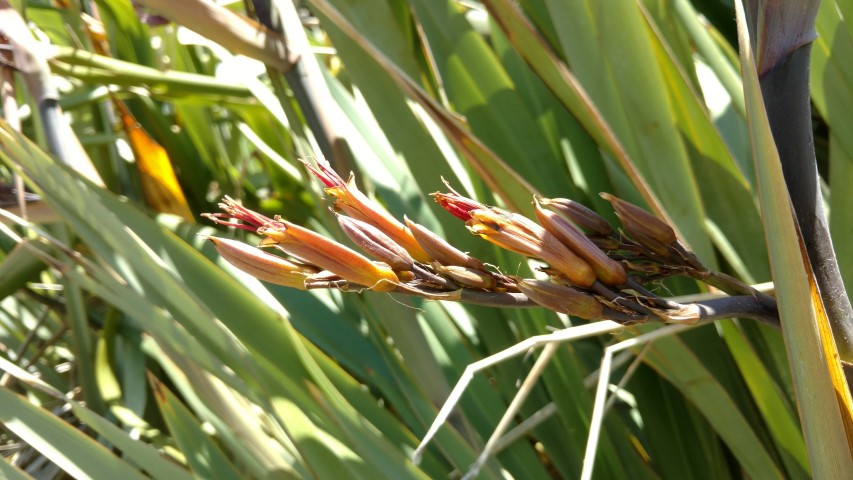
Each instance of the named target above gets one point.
<point>594,271</point>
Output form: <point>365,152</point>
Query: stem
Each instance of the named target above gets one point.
<point>785,89</point>
<point>659,301</point>
<point>744,306</point>
<point>737,307</point>
<point>306,80</point>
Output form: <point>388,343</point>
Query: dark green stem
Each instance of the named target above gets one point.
<point>785,89</point>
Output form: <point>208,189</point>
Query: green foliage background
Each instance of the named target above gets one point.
<point>154,357</point>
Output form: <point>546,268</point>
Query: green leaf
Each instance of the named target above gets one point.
<point>205,457</point>
<point>780,418</point>
<point>18,267</point>
<point>818,381</point>
<point>60,442</point>
<point>12,472</point>
<point>673,360</point>
<point>832,92</point>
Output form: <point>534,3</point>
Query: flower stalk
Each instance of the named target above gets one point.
<point>600,274</point>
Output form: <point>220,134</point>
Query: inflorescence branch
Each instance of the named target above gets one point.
<point>594,272</point>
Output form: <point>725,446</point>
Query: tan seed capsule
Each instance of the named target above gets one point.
<point>467,276</point>
<point>373,241</point>
<point>561,298</point>
<point>579,214</point>
<point>606,269</point>
<point>439,249</point>
<point>261,265</point>
<point>652,232</point>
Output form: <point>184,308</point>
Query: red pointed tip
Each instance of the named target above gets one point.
<point>458,206</point>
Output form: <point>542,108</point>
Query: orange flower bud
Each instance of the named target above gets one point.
<point>356,204</point>
<point>561,298</point>
<point>261,265</point>
<point>328,254</point>
<point>606,269</point>
<point>519,234</point>
<point>439,249</point>
<point>650,231</point>
<point>579,214</point>
<point>373,241</point>
<point>309,246</point>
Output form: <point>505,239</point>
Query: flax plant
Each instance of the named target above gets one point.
<point>601,221</point>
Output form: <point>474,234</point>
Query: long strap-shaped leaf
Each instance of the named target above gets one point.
<point>554,73</point>
<point>500,177</point>
<point>822,395</point>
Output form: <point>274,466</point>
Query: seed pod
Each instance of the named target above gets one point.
<point>328,254</point>
<point>467,276</point>
<point>579,214</point>
<point>519,234</point>
<point>652,232</point>
<point>439,249</point>
<point>606,269</point>
<point>373,241</point>
<point>561,298</point>
<point>261,265</point>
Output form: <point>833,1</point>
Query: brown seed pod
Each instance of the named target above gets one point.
<point>652,232</point>
<point>561,298</point>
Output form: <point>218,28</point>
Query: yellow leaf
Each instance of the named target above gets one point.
<point>827,340</point>
<point>159,183</point>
